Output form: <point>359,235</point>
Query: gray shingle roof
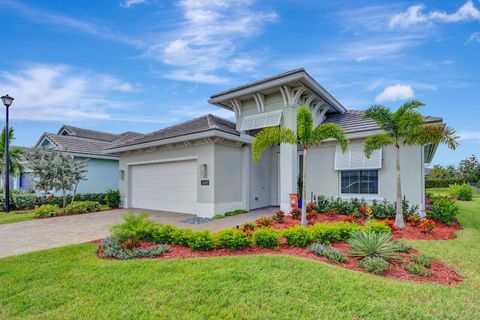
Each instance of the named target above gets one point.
<point>201,124</point>
<point>89,134</point>
<point>352,121</point>
<point>75,144</point>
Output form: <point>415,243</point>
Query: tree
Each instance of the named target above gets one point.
<point>16,158</point>
<point>470,169</point>
<point>55,171</point>
<point>306,135</point>
<point>406,126</point>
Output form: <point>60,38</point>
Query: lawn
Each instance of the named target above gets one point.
<point>70,282</point>
<point>16,216</point>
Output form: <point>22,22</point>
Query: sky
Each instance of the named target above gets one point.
<point>141,65</point>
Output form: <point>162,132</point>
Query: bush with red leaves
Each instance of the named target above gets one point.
<point>296,213</point>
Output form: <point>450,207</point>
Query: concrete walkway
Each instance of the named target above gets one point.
<point>40,234</point>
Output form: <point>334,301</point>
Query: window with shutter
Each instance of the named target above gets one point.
<point>262,120</point>
<point>354,158</point>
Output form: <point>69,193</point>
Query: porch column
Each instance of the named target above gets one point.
<point>246,177</point>
<point>288,162</point>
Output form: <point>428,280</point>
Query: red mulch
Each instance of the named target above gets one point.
<point>411,232</point>
<point>441,274</point>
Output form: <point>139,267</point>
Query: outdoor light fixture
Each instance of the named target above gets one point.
<point>204,171</point>
<point>7,102</point>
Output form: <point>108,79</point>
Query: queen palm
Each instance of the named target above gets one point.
<point>306,135</point>
<point>15,158</point>
<point>406,127</point>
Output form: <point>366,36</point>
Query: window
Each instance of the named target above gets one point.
<point>359,181</point>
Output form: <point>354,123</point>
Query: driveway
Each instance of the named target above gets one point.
<point>40,234</point>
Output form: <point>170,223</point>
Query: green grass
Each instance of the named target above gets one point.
<point>70,282</point>
<point>16,216</point>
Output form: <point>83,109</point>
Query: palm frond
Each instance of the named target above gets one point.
<point>269,137</point>
<point>376,142</point>
<point>382,116</point>
<point>304,125</point>
<point>433,133</point>
<point>329,131</point>
<point>407,107</point>
<point>409,121</point>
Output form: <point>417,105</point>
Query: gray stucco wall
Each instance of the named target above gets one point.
<point>102,174</point>
<point>323,179</point>
<point>228,178</point>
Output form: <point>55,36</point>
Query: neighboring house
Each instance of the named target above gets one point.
<point>204,166</point>
<point>88,145</point>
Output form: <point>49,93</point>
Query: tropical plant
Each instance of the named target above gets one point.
<point>266,238</point>
<point>135,228</point>
<point>232,239</point>
<point>418,270</point>
<point>374,264</point>
<point>112,198</point>
<point>470,169</point>
<point>372,244</point>
<point>443,209</point>
<point>15,158</point>
<point>462,191</point>
<point>305,135</point>
<point>405,126</point>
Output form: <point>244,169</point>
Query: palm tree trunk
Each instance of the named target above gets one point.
<point>399,215</point>
<point>303,220</point>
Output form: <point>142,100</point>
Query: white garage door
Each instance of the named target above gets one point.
<point>170,186</point>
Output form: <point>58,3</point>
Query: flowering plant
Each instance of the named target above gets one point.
<point>427,226</point>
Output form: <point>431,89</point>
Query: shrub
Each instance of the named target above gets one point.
<point>296,213</point>
<point>279,216</point>
<point>235,212</point>
<point>311,206</point>
<point>331,214</point>
<point>298,236</point>
<point>401,246</point>
<point>343,207</point>
<point>372,244</point>
<point>21,200</point>
<point>442,183</point>
<point>135,228</point>
<point>153,251</point>
<point>266,238</point>
<point>330,232</point>
<point>462,192</point>
<point>374,264</point>
<point>427,226</point>
<point>413,219</point>
<point>112,248</point>
<point>377,226</point>
<point>443,209</point>
<point>47,210</point>
<point>366,212</point>
<point>418,270</point>
<point>328,252</point>
<point>322,203</point>
<point>201,241</point>
<point>97,197</point>
<point>232,239</point>
<point>163,234</point>
<point>422,260</point>
<point>312,215</point>
<point>112,198</point>
<point>383,210</point>
<point>218,216</point>
<point>264,221</point>
<point>181,237</point>
<point>82,207</point>
<point>248,228</point>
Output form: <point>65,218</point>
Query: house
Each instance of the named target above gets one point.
<point>88,145</point>
<point>204,166</point>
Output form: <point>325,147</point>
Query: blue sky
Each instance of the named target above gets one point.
<point>121,65</point>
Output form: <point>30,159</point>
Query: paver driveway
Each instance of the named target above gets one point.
<point>39,234</point>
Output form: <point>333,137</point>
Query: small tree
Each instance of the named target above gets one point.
<point>470,169</point>
<point>306,135</point>
<point>406,126</point>
<point>16,157</point>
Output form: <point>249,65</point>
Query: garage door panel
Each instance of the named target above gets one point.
<point>164,186</point>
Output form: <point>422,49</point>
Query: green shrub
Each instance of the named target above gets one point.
<point>442,183</point>
<point>112,248</point>
<point>401,246</point>
<point>218,216</point>
<point>377,226</point>
<point>82,207</point>
<point>298,236</point>
<point>462,192</point>
<point>235,212</point>
<point>135,228</point>
<point>322,203</point>
<point>47,210</point>
<point>163,234</point>
<point>418,270</point>
<point>232,239</point>
<point>112,198</point>
<point>328,252</point>
<point>383,210</point>
<point>266,238</point>
<point>443,209</point>
<point>372,244</point>
<point>374,264</point>
<point>264,221</point>
<point>21,200</point>
<point>343,207</point>
<point>181,237</point>
<point>422,260</point>
<point>201,241</point>
<point>330,232</point>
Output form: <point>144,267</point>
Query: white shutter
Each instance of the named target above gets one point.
<point>354,159</point>
<point>262,120</point>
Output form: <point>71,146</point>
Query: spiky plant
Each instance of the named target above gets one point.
<point>372,244</point>
<point>406,126</point>
<point>306,135</point>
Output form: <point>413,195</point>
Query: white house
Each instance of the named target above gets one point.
<point>204,166</point>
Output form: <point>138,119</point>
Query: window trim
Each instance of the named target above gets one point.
<point>367,196</point>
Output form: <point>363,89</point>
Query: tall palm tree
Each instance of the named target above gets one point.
<point>15,158</point>
<point>306,135</point>
<point>406,126</point>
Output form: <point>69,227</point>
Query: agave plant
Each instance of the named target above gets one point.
<point>372,244</point>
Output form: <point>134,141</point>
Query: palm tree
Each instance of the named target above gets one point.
<point>15,158</point>
<point>406,126</point>
<point>306,135</point>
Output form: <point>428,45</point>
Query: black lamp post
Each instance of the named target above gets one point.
<point>7,101</point>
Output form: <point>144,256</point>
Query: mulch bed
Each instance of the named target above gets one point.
<point>441,273</point>
<point>411,232</point>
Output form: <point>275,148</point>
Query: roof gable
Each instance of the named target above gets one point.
<point>67,130</point>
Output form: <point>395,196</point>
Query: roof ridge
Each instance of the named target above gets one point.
<point>90,130</point>
<point>76,137</point>
<point>177,125</point>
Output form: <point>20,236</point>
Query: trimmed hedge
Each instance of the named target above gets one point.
<point>79,207</point>
<point>442,183</point>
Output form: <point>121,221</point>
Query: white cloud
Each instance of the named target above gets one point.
<point>415,16</point>
<point>395,93</point>
<point>474,37</point>
<point>60,92</point>
<point>469,135</point>
<point>130,3</point>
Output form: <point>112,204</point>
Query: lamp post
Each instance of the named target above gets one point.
<point>7,102</point>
